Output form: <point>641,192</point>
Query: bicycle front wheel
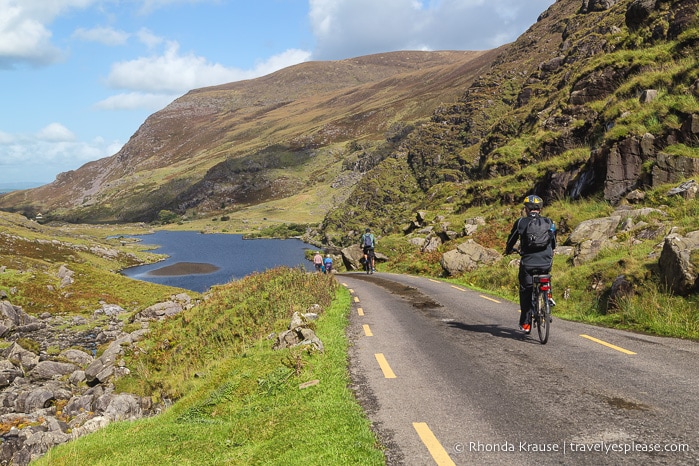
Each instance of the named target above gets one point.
<point>543,317</point>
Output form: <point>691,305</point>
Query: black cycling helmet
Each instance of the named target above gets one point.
<point>368,230</point>
<point>533,202</point>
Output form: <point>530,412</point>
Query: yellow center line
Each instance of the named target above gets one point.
<point>609,345</point>
<point>356,299</point>
<point>434,281</point>
<point>490,299</point>
<point>360,311</point>
<point>383,364</point>
<point>350,290</point>
<point>367,331</point>
<point>439,454</point>
<point>460,289</point>
<point>345,285</point>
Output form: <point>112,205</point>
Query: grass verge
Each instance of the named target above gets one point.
<point>250,409</point>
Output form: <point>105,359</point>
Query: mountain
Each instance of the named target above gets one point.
<point>598,99</point>
<point>248,142</point>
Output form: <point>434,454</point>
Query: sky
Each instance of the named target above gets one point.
<point>79,77</point>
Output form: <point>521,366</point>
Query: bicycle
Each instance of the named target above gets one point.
<point>369,262</point>
<point>541,306</point>
<point>540,315</point>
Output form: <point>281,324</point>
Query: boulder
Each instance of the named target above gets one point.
<point>687,190</point>
<point>102,368</point>
<point>467,257</point>
<point>12,317</point>
<point>621,289</point>
<point>589,6</point>
<point>353,257</point>
<point>637,12</point>
<point>588,250</point>
<point>597,229</point>
<point>20,357</point>
<point>432,243</point>
<point>65,275</point>
<point>677,271</point>
<point>48,370</point>
<point>77,357</point>
<point>8,373</point>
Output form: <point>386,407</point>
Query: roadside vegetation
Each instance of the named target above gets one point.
<point>582,291</point>
<point>239,401</point>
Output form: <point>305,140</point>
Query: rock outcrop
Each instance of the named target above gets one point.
<point>50,399</point>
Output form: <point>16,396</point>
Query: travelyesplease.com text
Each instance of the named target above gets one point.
<point>570,447</point>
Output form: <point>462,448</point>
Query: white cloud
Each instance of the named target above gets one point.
<point>350,28</point>
<point>28,158</point>
<point>155,81</point>
<point>6,138</point>
<point>102,35</point>
<point>149,39</point>
<point>55,132</point>
<point>135,101</point>
<point>150,5</point>
<point>24,37</point>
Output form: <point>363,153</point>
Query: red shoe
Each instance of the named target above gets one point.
<point>526,328</point>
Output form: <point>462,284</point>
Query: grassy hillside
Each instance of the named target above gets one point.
<point>32,255</point>
<point>238,401</point>
<point>227,147</point>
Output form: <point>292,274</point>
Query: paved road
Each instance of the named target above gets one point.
<point>446,378</point>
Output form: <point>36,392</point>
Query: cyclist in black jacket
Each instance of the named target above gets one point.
<point>532,262</point>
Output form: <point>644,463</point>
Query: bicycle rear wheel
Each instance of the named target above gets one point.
<point>543,314</point>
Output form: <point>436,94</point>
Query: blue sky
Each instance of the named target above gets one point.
<point>78,77</point>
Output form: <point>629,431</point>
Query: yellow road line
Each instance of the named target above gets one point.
<point>460,289</point>
<point>360,311</point>
<point>356,299</point>
<point>439,454</point>
<point>435,281</point>
<point>609,345</point>
<point>490,299</point>
<point>345,285</point>
<point>350,290</point>
<point>367,331</point>
<point>383,364</point>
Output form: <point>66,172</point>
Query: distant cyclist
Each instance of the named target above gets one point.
<point>328,263</point>
<point>367,243</point>
<point>536,248</point>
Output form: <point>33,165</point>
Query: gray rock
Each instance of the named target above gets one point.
<point>48,370</point>
<point>597,229</point>
<point>77,357</point>
<point>20,357</point>
<point>468,256</point>
<point>677,271</point>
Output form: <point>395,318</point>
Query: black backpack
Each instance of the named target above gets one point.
<point>537,234</point>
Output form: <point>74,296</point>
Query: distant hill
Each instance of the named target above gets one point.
<point>248,142</point>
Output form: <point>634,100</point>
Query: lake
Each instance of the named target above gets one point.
<point>198,261</point>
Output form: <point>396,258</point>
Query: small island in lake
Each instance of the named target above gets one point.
<point>184,268</point>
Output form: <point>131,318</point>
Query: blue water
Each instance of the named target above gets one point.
<point>235,256</point>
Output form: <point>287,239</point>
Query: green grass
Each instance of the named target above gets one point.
<point>249,409</point>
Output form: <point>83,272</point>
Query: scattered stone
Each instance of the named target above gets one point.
<point>310,383</point>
